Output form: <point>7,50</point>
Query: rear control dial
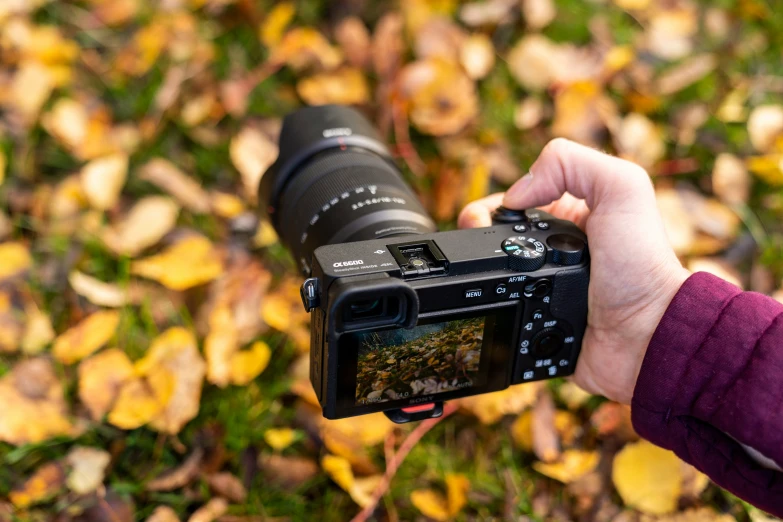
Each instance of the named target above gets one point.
<point>566,249</point>
<point>546,343</point>
<point>525,253</point>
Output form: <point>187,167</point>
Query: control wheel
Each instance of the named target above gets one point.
<point>546,343</point>
<point>566,249</point>
<point>526,254</point>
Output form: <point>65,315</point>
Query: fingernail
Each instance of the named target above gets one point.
<point>518,189</point>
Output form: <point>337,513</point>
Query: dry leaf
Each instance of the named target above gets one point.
<point>566,426</point>
<point>227,206</point>
<point>97,292</point>
<point>34,408</point>
<point>287,471</point>
<point>304,47</point>
<point>32,85</point>
<point>694,482</point>
<point>669,33</point>
<point>717,267</point>
<point>491,407</point>
<point>528,113</point>
<point>613,419</point>
<point>248,364</point>
<point>730,179</point>
<point>210,511</point>
<point>186,190</point>
<point>176,352</point>
<point>640,140</point>
<point>388,45</point>
<point>572,395</point>
<point>163,514</point>
<point>572,465</point>
<point>477,55</point>
<point>47,481</point>
<point>435,506</point>
<point>283,311</point>
<point>14,259</point>
<point>102,180</point>
<point>275,22</point>
<point>648,478</point>
<point>228,486</point>
<point>100,379</point>
<point>546,443</point>
<point>11,322</point>
<point>702,514</point>
<point>368,430</point>
<point>279,438</point>
<point>38,331</point>
<point>685,74</point>
<point>86,337</point>
<point>87,469</point>
<point>354,40</point>
<point>768,167</point>
<point>538,13</point>
<point>141,399</point>
<point>679,225</point>
<point>583,112</point>
<point>439,38</point>
<point>3,166</point>
<point>180,476</point>
<point>344,86</point>
<point>148,221</point>
<point>632,4</point>
<point>252,152</point>
<point>339,470</point>
<point>191,262</point>
<point>484,13</point>
<point>765,126</point>
<point>219,345</point>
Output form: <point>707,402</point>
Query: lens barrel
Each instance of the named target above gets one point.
<point>335,182</point>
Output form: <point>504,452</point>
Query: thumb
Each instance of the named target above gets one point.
<point>601,180</point>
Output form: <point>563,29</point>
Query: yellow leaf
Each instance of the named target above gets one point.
<point>11,325</point>
<point>191,262</point>
<point>618,57</point>
<point>275,22</point>
<point>572,465</point>
<point>68,122</point>
<point>702,514</point>
<point>457,487</point>
<point>765,126</point>
<point>491,407</point>
<point>34,407</point>
<point>226,205</point>
<point>345,86</point>
<point>302,47</point>
<point>148,221</point>
<point>175,352</point>
<point>103,179</point>
<point>88,467</point>
<point>43,484</point>
<point>186,190</point>
<point>632,4</point>
<point>38,331</point>
<point>339,470</point>
<point>648,478</point>
<point>583,112</point>
<point>478,180</point>
<point>86,337</point>
<point>265,235</point>
<point>369,430</point>
<point>769,168</point>
<point>163,514</point>
<point>573,395</point>
<point>30,88</point>
<point>96,291</point>
<point>14,259</point>
<point>477,55</point>
<point>252,152</point>
<point>248,364</point>
<point>140,400</point>
<point>219,345</point>
<point>3,166</point>
<point>100,379</point>
<point>210,511</point>
<point>430,503</point>
<point>279,438</point>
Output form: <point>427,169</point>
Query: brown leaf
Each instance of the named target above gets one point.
<point>447,193</point>
<point>100,379</point>
<point>679,225</point>
<point>685,74</point>
<point>477,55</point>
<point>180,476</point>
<point>765,126</point>
<point>163,514</point>
<point>640,140</point>
<point>613,419</point>
<point>228,486</point>
<point>439,38</point>
<point>583,113</point>
<point>669,33</point>
<point>546,443</point>
<point>109,507</point>
<point>210,511</point>
<point>344,86</point>
<point>388,45</point>
<point>491,12</point>
<point>186,190</point>
<point>289,472</point>
<point>354,40</point>
<point>701,514</point>
<point>47,481</point>
<point>96,291</point>
<point>87,469</point>
<point>538,13</point>
<point>146,223</point>
<point>537,62</point>
<point>573,464</point>
<point>304,47</point>
<point>730,179</point>
<point>717,267</point>
<point>252,152</point>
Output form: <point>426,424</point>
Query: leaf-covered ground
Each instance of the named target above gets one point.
<point>152,347</point>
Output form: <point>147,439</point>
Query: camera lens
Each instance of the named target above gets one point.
<point>335,182</point>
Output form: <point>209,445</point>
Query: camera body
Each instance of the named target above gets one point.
<point>404,317</point>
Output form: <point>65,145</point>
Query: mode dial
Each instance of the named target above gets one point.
<point>566,249</point>
<point>526,254</point>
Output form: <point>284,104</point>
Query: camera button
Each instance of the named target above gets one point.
<point>501,289</point>
<point>538,315</point>
<point>542,225</point>
<point>520,228</point>
<point>473,293</point>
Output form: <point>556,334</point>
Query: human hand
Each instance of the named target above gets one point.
<point>634,273</point>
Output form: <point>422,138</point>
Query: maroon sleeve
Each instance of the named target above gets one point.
<point>712,376</point>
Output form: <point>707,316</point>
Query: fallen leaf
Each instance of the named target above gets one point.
<point>176,351</point>
<point>339,470</point>
<point>86,337</point>
<point>538,13</point>
<point>632,4</point>
<point>546,442</point>
<point>477,55</point>
<point>566,427</point>
<point>186,190</point>
<point>219,345</point>
<point>228,486</point>
<point>100,379</point>
<point>613,419</point>
<point>304,47</point>
<point>694,482</point>
<point>146,223</point>
<point>572,465</point>
<point>289,472</point>
<point>648,478</point>
<point>765,126</point>
<point>439,37</point>
<point>368,430</point>
<point>701,514</point>
<point>38,331</point>
<point>528,113</point>
<point>678,223</point>
<point>583,113</point>
<point>282,310</point>
<point>252,152</point>
<point>354,40</point>
<point>14,259</point>
<point>11,323</point>
<point>31,86</point>
<point>279,438</point>
<point>491,407</point>
<point>685,74</point>
<point>572,395</point>
<point>44,483</point>
<point>484,13</point>
<point>730,179</point>
<point>275,22</point>
<point>102,180</point>
<point>180,476</point>
<point>640,140</point>
<point>191,262</point>
<point>248,364</point>
<point>96,291</point>
<point>140,400</point>
<point>717,267</point>
<point>3,166</point>
<point>227,206</point>
<point>669,33</point>
<point>768,167</point>
<point>34,407</point>
<point>344,86</point>
<point>210,511</point>
<point>163,514</point>
<point>432,504</point>
<point>87,469</point>
<point>709,215</point>
<point>108,507</point>
<point>388,45</point>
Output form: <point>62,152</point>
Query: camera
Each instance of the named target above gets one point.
<point>404,317</point>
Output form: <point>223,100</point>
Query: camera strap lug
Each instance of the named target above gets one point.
<point>309,293</point>
<point>419,412</point>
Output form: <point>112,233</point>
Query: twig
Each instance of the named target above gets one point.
<point>394,464</point>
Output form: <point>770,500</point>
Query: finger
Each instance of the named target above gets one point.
<point>479,213</point>
<point>569,208</point>
<point>567,167</point>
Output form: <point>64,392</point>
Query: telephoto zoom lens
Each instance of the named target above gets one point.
<point>334,181</point>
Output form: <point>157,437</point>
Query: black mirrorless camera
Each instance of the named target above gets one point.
<point>403,316</point>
